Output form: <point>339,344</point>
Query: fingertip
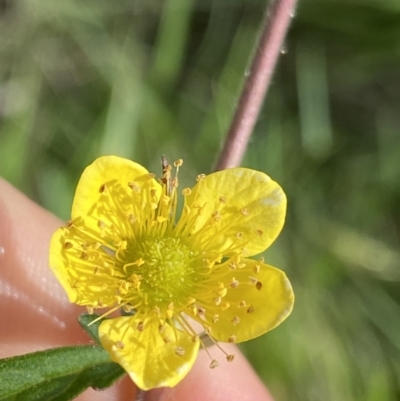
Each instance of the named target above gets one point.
<point>229,381</point>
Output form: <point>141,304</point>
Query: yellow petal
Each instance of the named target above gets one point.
<point>152,357</point>
<point>233,210</point>
<point>79,271</point>
<point>114,187</point>
<point>258,298</point>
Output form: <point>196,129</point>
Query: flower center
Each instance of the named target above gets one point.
<point>167,269</point>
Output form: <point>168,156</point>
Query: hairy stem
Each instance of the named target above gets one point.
<point>274,28</point>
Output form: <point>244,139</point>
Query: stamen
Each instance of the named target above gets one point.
<point>234,283</point>
<point>232,338</point>
<point>100,305</point>
<point>180,351</point>
<point>244,211</point>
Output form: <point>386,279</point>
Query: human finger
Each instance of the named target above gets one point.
<point>35,311</point>
<point>234,380</point>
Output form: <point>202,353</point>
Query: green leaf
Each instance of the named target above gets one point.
<point>85,320</point>
<point>58,374</point>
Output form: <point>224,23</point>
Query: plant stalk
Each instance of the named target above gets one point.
<point>275,25</point>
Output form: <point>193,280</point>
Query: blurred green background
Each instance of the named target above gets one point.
<point>142,78</point>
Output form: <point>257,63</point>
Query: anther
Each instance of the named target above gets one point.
<point>234,283</point>
<point>127,308</point>
<point>84,256</point>
<point>250,309</point>
<point>232,338</point>
<point>222,199</point>
<point>186,191</point>
<point>235,320</point>
<point>218,301</point>
<point>174,182</point>
<point>213,364</point>
<point>259,285</point>
<point>256,268</point>
<point>200,177</point>
<point>101,224</point>
<point>230,357</point>
<point>239,235</point>
<point>232,266</point>
<point>90,309</point>
<point>178,163</point>
<point>216,216</point>
<point>225,305</point>
<point>244,211</point>
<point>259,233</point>
<point>140,326</point>
<point>201,311</point>
<point>68,245</point>
<point>119,344</point>
<point>180,351</point>
<point>242,304</point>
<point>215,318</point>
<point>103,188</point>
<point>134,187</point>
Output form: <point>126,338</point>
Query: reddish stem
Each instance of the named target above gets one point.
<point>275,26</point>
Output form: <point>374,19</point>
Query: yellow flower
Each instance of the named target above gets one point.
<point>124,249</point>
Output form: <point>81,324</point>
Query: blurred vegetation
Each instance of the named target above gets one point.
<point>140,78</point>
